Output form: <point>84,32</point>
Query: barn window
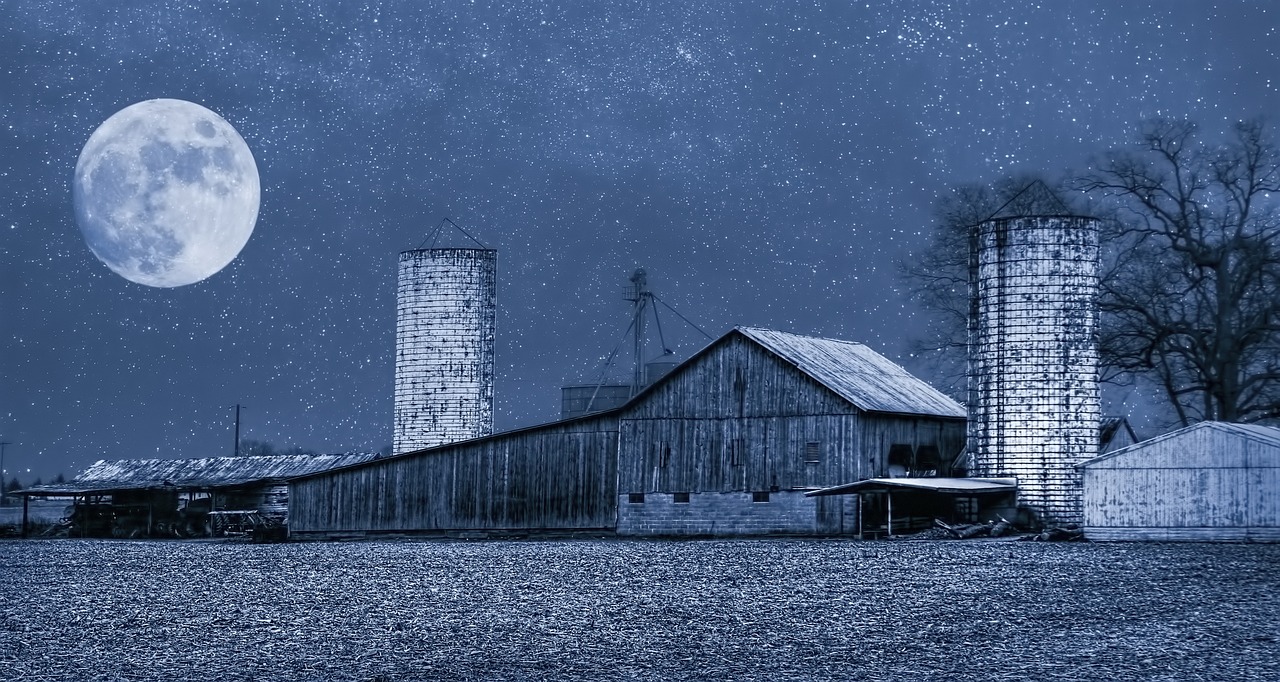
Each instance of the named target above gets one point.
<point>664,454</point>
<point>760,496</point>
<point>812,451</point>
<point>928,461</point>
<point>680,498</point>
<point>635,498</point>
<point>737,450</point>
<point>900,456</point>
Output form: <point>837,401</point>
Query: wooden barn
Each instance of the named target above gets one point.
<point>182,497</point>
<point>1210,481</point>
<point>725,444</point>
<point>730,441</point>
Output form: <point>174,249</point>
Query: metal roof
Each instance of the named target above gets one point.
<point>1269,435</point>
<point>858,374</point>
<point>962,486</point>
<point>194,474</point>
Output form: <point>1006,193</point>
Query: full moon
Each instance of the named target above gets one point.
<point>166,193</point>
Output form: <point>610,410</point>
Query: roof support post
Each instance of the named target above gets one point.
<point>26,512</point>
<point>889,497</point>
<point>859,516</point>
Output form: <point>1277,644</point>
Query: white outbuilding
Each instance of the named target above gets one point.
<point>1212,481</point>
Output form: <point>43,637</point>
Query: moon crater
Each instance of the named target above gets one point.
<point>166,193</point>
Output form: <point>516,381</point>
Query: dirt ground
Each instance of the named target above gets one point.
<point>651,610</point>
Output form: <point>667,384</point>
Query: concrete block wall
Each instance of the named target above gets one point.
<point>718,514</point>
<point>1033,358</point>
<point>445,322</point>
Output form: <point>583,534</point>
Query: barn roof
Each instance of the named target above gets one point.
<point>1266,435</point>
<point>865,378</point>
<point>1109,428</point>
<point>194,474</point>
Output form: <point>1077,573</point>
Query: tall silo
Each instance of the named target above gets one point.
<point>446,313</point>
<point>1033,357</point>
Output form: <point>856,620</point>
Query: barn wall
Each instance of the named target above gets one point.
<point>737,379</point>
<point>880,432</point>
<point>1201,485</point>
<point>561,476</point>
<point>737,513</point>
<point>737,454</point>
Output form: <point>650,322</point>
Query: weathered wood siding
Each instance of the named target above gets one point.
<point>1202,484</point>
<point>698,455</point>
<point>558,476</point>
<point>736,419</point>
<point>880,432</point>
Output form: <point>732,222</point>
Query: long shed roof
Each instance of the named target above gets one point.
<point>865,378</point>
<point>194,474</point>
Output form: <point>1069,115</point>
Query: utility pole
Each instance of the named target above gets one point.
<point>237,450</point>
<point>4,483</point>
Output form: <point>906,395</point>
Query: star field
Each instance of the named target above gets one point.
<point>766,162</point>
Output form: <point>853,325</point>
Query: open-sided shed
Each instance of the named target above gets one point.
<point>922,500</point>
<point>166,497</point>
<point>1210,481</point>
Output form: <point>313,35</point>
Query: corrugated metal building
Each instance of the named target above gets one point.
<point>726,443</point>
<point>149,497</point>
<point>1209,481</point>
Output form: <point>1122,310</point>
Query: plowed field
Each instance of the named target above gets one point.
<point>653,610</point>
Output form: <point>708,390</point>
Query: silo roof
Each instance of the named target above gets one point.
<point>867,379</point>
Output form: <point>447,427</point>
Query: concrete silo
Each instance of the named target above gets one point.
<point>445,318</point>
<point>1033,357</point>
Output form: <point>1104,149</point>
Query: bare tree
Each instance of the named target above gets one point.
<point>1191,293</point>
<point>938,277</point>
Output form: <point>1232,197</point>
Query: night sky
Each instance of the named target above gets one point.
<point>767,163</point>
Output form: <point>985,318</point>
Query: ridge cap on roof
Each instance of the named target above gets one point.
<point>749,328</point>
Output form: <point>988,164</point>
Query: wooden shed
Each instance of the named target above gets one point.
<point>183,497</point>
<point>729,442</point>
<point>560,476</point>
<point>1210,481</point>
